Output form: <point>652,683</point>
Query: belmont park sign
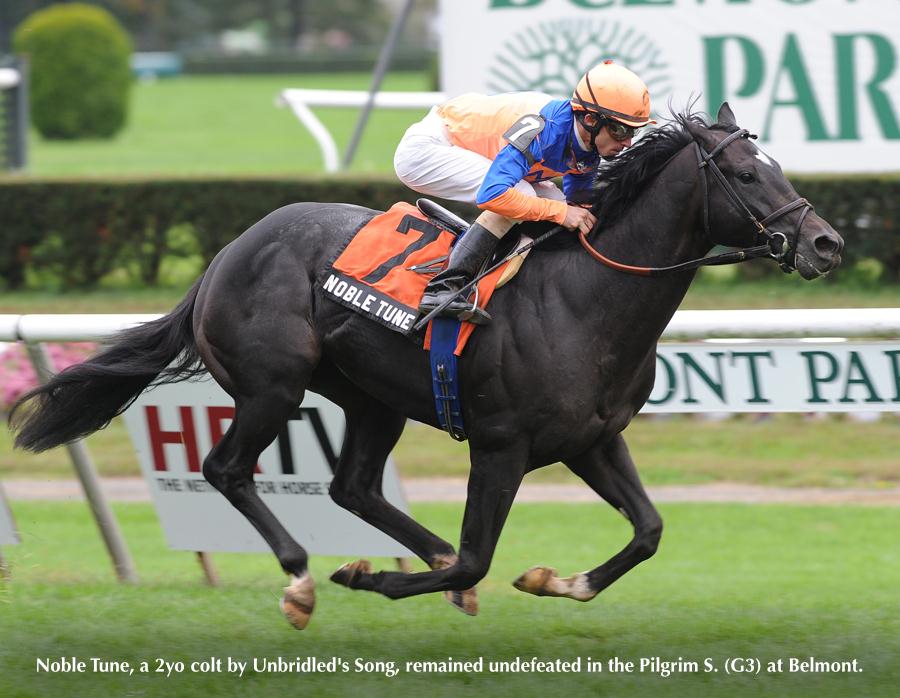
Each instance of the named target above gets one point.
<point>818,80</point>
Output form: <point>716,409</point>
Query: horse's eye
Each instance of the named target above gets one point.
<point>746,177</point>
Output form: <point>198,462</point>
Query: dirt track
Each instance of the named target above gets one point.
<point>454,490</point>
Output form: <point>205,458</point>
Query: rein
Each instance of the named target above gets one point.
<point>776,245</point>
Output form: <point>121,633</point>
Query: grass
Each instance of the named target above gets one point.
<point>765,582</point>
<point>785,450</point>
<point>117,296</point>
<point>788,292</point>
<point>229,125</point>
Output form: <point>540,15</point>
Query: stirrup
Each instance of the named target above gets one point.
<point>475,315</point>
<point>471,313</point>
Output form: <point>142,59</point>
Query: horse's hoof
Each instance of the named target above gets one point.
<point>535,580</point>
<point>299,600</point>
<point>544,581</point>
<point>466,600</point>
<point>347,575</point>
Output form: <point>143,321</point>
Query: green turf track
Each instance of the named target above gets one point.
<point>767,582</point>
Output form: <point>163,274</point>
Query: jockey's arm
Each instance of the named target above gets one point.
<point>498,193</point>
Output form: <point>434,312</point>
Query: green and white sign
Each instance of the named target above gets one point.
<point>818,80</point>
<point>776,376</point>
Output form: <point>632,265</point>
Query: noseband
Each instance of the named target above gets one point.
<point>776,244</point>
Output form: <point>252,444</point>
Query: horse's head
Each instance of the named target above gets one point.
<point>748,201</point>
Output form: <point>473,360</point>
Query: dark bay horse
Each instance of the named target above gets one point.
<point>566,364</point>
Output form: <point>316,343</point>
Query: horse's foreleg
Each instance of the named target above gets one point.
<point>610,472</point>
<point>493,482</point>
<point>372,431</point>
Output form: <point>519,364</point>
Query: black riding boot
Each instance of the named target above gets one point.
<point>466,259</point>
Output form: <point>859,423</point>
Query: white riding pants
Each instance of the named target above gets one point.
<point>428,162</point>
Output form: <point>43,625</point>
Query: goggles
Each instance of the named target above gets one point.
<point>620,132</point>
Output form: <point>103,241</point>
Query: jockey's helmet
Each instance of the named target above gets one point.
<point>614,93</point>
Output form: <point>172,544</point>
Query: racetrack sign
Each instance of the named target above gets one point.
<point>776,376</point>
<point>819,80</point>
<point>174,426</point>
<point>8,533</point>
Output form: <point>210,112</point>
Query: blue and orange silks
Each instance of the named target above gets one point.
<point>478,123</point>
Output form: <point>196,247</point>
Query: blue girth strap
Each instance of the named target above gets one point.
<point>445,377</point>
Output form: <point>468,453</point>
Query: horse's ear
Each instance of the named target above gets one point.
<point>725,117</point>
<point>698,131</point>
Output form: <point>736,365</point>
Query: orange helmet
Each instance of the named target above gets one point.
<point>615,92</point>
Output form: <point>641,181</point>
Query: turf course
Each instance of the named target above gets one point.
<point>765,582</point>
<point>784,451</point>
<point>196,125</point>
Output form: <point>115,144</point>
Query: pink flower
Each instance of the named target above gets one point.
<point>17,375</point>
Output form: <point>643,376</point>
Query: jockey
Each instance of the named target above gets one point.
<point>500,152</point>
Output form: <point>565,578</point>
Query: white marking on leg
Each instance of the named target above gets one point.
<point>299,600</point>
<point>575,587</point>
<point>580,588</point>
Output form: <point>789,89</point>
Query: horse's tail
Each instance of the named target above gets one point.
<point>85,397</point>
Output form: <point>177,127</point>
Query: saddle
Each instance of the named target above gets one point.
<point>513,241</point>
<point>383,268</point>
<point>444,218</point>
<point>381,273</point>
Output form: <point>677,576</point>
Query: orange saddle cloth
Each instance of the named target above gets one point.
<point>382,271</point>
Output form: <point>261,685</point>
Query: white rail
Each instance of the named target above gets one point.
<point>9,78</point>
<point>687,324</point>
<point>300,101</point>
<point>819,322</point>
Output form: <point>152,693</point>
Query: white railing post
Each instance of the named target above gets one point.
<point>300,101</point>
<point>90,482</point>
<point>319,132</point>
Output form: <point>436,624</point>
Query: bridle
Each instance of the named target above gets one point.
<point>776,245</point>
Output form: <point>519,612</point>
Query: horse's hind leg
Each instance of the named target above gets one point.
<point>610,472</point>
<point>229,468</point>
<point>372,431</point>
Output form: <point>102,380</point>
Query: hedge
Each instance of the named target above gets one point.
<point>80,75</point>
<point>81,230</point>
<point>324,61</point>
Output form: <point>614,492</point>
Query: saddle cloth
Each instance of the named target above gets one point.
<point>382,270</point>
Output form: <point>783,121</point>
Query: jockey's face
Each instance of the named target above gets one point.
<point>609,147</point>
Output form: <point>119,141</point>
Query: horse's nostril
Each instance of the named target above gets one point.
<point>828,245</point>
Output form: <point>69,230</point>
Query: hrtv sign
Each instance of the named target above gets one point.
<point>818,79</point>
<point>173,427</point>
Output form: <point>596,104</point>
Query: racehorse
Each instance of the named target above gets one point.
<point>566,364</point>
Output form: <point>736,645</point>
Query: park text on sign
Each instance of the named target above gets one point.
<point>818,79</point>
<point>173,427</point>
<point>790,376</point>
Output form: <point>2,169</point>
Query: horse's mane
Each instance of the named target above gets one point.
<point>621,180</point>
